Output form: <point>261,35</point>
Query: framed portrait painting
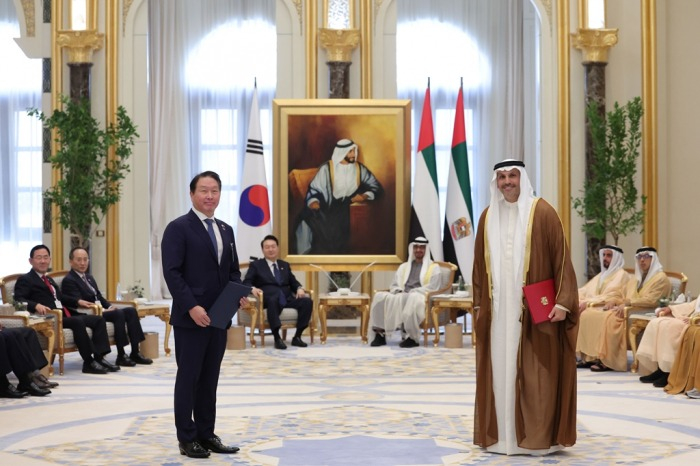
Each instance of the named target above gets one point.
<point>342,180</point>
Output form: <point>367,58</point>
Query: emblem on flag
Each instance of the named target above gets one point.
<point>460,228</point>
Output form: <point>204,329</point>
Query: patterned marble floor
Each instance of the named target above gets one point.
<point>342,403</point>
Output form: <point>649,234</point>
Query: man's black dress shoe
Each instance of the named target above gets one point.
<point>108,365</point>
<point>214,444</point>
<point>651,378</point>
<point>296,341</point>
<point>139,358</point>
<point>279,344</point>
<point>39,376</point>
<point>662,381</point>
<point>94,367</point>
<point>409,343</point>
<point>11,392</point>
<point>33,389</point>
<point>193,450</point>
<point>124,361</point>
<point>379,340</point>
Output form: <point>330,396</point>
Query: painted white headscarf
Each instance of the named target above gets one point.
<point>342,148</point>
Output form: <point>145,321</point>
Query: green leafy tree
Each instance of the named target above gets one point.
<point>90,181</point>
<point>610,197</point>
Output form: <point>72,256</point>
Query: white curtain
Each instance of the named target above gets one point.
<point>20,148</point>
<point>204,58</point>
<point>479,41</point>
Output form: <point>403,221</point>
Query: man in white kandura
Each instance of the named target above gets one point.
<point>403,306</point>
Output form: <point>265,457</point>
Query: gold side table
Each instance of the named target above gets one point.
<point>328,301</point>
<point>162,311</point>
<point>454,304</point>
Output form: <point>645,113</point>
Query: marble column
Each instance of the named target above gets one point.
<point>594,43</point>
<point>80,79</point>
<point>339,79</point>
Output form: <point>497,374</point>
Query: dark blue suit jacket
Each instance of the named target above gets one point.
<point>190,266</point>
<point>260,276</point>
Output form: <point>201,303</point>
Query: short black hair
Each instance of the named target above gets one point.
<point>269,237</point>
<point>206,174</point>
<point>36,248</point>
<point>72,252</point>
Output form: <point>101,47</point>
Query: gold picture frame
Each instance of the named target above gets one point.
<point>307,132</point>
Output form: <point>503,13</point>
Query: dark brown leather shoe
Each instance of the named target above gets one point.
<point>193,450</point>
<point>214,444</point>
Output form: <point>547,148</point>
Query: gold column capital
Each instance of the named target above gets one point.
<point>594,43</point>
<point>80,44</point>
<point>339,43</point>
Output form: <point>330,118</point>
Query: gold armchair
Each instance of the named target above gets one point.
<point>447,277</point>
<point>254,316</point>
<point>637,319</point>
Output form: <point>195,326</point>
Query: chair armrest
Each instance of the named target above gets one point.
<point>695,320</point>
<point>125,303</point>
<point>14,321</point>
<point>630,310</point>
<point>7,309</point>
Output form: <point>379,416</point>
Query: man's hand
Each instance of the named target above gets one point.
<point>300,293</point>
<point>664,311</point>
<point>557,314</point>
<point>83,303</point>
<point>200,317</point>
<point>315,205</point>
<point>244,301</point>
<point>582,306</point>
<point>359,198</point>
<point>41,309</point>
<point>620,311</point>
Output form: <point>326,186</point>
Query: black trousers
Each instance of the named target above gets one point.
<point>274,309</point>
<point>98,345</point>
<point>198,352</point>
<point>126,321</point>
<point>12,357</point>
<point>28,343</point>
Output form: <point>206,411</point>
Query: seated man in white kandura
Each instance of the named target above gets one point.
<point>403,306</point>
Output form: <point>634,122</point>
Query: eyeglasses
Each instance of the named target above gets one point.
<point>643,256</point>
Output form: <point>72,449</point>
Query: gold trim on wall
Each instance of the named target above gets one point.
<point>112,89</point>
<point>311,49</point>
<point>56,91</point>
<point>366,45</point>
<point>649,125</point>
<point>564,140</point>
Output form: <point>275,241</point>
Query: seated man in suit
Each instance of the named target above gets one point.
<point>280,289</point>
<point>80,290</point>
<point>41,293</point>
<point>403,306</point>
<point>24,361</point>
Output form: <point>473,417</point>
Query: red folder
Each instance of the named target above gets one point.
<point>540,298</point>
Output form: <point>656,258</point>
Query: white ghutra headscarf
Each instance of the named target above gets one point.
<point>616,263</point>
<point>654,268</point>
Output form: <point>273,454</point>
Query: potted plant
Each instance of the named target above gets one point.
<point>90,180</point>
<point>610,198</point>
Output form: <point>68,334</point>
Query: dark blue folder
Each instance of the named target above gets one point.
<point>226,305</point>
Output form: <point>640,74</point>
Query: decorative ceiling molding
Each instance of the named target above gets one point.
<point>297,5</point>
<point>29,17</point>
<point>125,12</point>
<point>377,6</point>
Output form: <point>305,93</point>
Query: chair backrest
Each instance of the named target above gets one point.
<point>58,276</point>
<point>299,180</point>
<point>447,276</point>
<point>678,281</point>
<point>7,287</point>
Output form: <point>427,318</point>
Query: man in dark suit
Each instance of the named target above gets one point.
<point>280,289</point>
<point>20,352</point>
<point>41,293</point>
<point>199,259</point>
<point>80,290</point>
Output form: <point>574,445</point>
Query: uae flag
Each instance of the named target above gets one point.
<point>458,238</point>
<point>254,209</point>
<point>425,211</point>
